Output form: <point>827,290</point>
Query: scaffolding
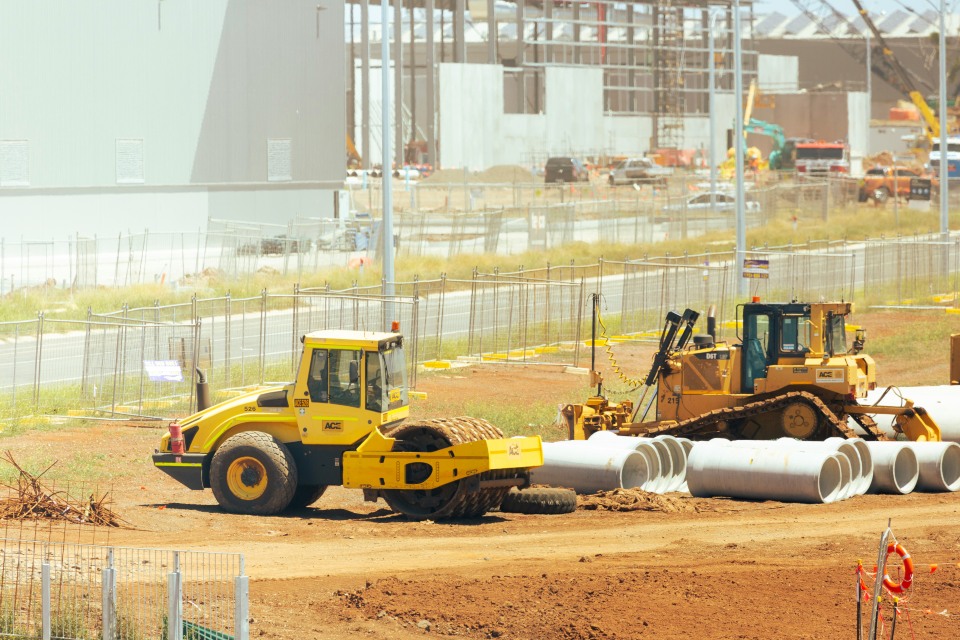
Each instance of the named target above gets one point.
<point>653,54</point>
<point>668,60</point>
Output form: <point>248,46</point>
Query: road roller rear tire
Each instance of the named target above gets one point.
<point>540,500</point>
<point>253,473</point>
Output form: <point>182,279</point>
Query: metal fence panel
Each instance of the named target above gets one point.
<point>93,589</point>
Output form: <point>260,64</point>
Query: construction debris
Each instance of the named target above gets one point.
<point>635,500</point>
<point>30,499</point>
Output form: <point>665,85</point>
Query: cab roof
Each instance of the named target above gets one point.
<point>345,337</point>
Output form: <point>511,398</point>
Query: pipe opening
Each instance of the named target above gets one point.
<point>906,470</point>
<point>634,473</point>
<point>950,468</point>
<point>830,479</point>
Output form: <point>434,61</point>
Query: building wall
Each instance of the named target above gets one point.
<point>475,133</point>
<point>822,116</point>
<point>778,74</point>
<point>826,64</point>
<point>158,98</point>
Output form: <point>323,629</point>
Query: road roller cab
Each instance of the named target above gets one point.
<point>342,422</point>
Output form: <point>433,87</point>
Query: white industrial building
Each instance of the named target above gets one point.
<point>163,114</point>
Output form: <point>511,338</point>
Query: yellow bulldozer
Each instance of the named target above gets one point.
<point>343,421</point>
<point>791,374</point>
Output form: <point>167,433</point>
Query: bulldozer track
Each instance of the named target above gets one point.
<point>461,502</point>
<point>706,422</point>
<point>870,427</point>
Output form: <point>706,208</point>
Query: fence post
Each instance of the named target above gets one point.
<point>38,358</point>
<point>441,310</point>
<point>109,600</point>
<point>45,591</point>
<point>174,601</point>
<point>241,615</point>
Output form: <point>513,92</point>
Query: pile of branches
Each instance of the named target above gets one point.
<point>30,499</point>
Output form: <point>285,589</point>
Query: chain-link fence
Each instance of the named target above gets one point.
<point>429,220</point>
<point>144,361</point>
<point>76,592</point>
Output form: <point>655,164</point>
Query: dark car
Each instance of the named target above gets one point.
<point>565,169</point>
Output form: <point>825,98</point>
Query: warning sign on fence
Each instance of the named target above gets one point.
<point>756,269</point>
<point>163,370</point>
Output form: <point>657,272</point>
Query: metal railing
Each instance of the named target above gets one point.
<point>430,220</point>
<point>108,364</point>
<point>76,592</point>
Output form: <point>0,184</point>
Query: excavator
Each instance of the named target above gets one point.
<point>791,374</point>
<point>901,78</point>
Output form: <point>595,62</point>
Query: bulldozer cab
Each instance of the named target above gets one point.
<point>773,333</point>
<point>349,382</point>
<point>790,333</point>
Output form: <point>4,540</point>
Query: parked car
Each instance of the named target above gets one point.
<point>278,245</point>
<point>879,183</point>
<point>639,171</point>
<point>565,169</point>
<point>723,201</point>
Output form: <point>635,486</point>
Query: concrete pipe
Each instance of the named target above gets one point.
<point>659,462</point>
<point>687,445</point>
<point>939,401</point>
<point>850,468</point>
<point>939,465</point>
<point>590,468</point>
<point>763,473</point>
<point>667,473</point>
<point>866,461</point>
<point>678,460</point>
<point>895,467</point>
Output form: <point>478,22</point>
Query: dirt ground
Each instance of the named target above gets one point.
<point>678,568</point>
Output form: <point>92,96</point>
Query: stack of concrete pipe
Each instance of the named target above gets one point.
<point>787,470</point>
<point>608,461</point>
<point>801,471</point>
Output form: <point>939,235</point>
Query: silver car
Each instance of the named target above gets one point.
<point>724,201</point>
<point>639,171</point>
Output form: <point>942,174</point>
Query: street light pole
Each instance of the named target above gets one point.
<point>712,107</point>
<point>944,134</point>
<point>869,85</point>
<point>386,235</point>
<point>738,148</point>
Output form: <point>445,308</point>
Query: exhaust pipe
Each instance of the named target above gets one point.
<point>203,391</point>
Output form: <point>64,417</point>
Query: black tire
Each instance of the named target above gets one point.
<point>880,195</point>
<point>306,495</point>
<point>253,473</point>
<point>539,500</point>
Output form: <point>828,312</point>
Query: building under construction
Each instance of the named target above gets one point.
<point>484,82</point>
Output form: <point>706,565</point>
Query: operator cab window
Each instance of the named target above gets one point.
<point>756,342</point>
<point>345,377</point>
<point>374,382</point>
<point>317,378</point>
<point>795,334</point>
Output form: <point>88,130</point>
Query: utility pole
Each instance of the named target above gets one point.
<point>738,148</point>
<point>712,75</point>
<point>386,234</point>
<point>944,134</point>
